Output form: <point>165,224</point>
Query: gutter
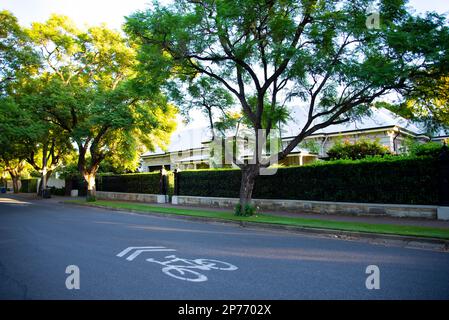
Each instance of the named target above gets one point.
<point>413,242</point>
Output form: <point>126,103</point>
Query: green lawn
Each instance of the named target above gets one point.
<point>264,218</point>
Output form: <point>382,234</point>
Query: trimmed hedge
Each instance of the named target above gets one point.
<point>28,185</point>
<point>77,183</point>
<point>130,183</point>
<point>388,180</point>
<point>57,191</point>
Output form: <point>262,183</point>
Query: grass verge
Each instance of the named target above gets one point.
<point>417,231</point>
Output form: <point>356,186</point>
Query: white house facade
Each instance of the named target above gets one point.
<point>189,149</point>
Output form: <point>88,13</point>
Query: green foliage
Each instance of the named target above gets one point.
<point>130,183</point>
<point>170,183</point>
<point>57,191</point>
<point>17,58</point>
<point>383,228</point>
<point>68,171</point>
<point>19,130</point>
<point>202,94</point>
<point>108,166</point>
<point>311,146</point>
<point>248,210</point>
<point>86,88</point>
<point>77,183</point>
<point>28,185</point>
<point>360,149</point>
<point>401,180</point>
<point>319,55</point>
<point>429,149</point>
<point>318,51</point>
<point>91,198</point>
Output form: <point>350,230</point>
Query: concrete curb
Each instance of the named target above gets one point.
<point>407,241</point>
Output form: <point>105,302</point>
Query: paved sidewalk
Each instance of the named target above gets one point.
<point>328,217</point>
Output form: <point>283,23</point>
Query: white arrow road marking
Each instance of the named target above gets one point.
<point>140,250</point>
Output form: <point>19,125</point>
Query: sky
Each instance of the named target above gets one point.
<point>112,12</point>
<point>90,12</point>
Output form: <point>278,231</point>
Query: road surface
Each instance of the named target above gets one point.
<point>39,240</point>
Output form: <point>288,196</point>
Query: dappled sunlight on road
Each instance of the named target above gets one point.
<point>13,201</point>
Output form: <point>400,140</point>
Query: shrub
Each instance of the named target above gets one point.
<point>247,211</point>
<point>358,150</point>
<point>68,171</point>
<point>77,182</point>
<point>400,180</point>
<point>28,185</point>
<point>57,191</point>
<point>130,183</point>
<point>429,149</point>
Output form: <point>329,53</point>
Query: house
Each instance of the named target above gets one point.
<point>190,148</point>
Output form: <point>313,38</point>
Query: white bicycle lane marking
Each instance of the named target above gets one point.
<point>180,268</point>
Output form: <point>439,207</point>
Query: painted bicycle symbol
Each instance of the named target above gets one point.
<point>185,269</point>
<point>182,269</point>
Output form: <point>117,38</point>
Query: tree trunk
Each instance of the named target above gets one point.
<point>15,183</point>
<point>44,180</point>
<point>249,174</point>
<point>44,171</point>
<point>91,190</point>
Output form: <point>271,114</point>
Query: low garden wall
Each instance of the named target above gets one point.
<point>135,197</point>
<point>320,207</point>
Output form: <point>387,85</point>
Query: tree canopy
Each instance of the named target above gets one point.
<point>320,56</point>
<point>427,104</point>
<point>17,128</point>
<point>84,93</point>
<point>17,57</point>
<point>86,88</point>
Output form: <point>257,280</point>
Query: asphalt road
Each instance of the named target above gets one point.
<point>38,240</point>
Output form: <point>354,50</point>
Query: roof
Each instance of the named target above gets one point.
<point>195,138</point>
<point>442,133</point>
<point>378,118</point>
<point>185,139</point>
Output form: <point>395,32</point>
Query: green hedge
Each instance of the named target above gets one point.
<point>28,185</point>
<point>76,182</point>
<point>389,180</point>
<point>57,191</point>
<point>130,183</point>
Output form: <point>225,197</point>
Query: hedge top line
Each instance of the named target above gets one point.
<point>341,162</point>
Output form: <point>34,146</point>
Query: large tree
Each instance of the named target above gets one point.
<point>17,61</point>
<point>15,129</point>
<point>28,137</point>
<point>86,89</point>
<point>323,55</point>
<point>203,94</point>
<point>17,56</point>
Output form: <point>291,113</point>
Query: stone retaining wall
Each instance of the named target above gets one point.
<point>321,207</point>
<point>137,197</point>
